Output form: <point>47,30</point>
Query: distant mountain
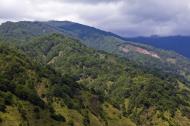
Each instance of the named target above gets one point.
<point>90,36</point>
<point>23,32</point>
<point>179,44</point>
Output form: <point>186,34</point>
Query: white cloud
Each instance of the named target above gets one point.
<point>125,17</point>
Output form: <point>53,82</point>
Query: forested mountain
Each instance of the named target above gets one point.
<point>21,33</point>
<point>54,78</point>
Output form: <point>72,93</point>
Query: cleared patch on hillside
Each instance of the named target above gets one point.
<point>131,48</point>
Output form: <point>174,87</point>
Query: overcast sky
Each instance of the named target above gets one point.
<point>124,17</point>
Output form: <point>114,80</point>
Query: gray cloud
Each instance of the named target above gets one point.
<point>124,17</point>
<point>91,1</point>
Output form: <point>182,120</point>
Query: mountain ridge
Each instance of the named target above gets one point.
<point>176,43</point>
<point>76,85</point>
<point>95,38</point>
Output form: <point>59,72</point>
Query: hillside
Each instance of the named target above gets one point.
<point>179,44</point>
<point>56,80</point>
<point>30,92</point>
<point>154,58</point>
<point>36,95</point>
<point>132,90</point>
<point>21,32</point>
<point>111,43</point>
<point>90,36</point>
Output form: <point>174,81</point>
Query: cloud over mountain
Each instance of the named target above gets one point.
<point>124,17</point>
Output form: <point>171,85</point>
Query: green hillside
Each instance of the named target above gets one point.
<point>132,89</point>
<point>34,95</point>
<point>52,79</point>
<point>111,43</point>
<point>21,32</point>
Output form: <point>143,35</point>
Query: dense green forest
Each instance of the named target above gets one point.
<point>87,87</point>
<point>22,32</point>
<point>54,79</point>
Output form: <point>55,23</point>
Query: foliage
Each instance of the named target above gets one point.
<point>58,117</point>
<point>59,77</point>
<point>110,77</point>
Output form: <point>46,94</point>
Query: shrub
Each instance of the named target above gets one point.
<point>2,107</point>
<point>28,94</point>
<point>70,123</point>
<point>58,117</point>
<point>36,110</point>
<point>8,98</point>
<point>86,120</point>
<point>5,85</point>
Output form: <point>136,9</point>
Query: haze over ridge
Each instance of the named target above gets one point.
<point>124,17</point>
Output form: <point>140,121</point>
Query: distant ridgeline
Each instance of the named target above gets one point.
<point>179,44</point>
<point>49,76</point>
<point>168,61</point>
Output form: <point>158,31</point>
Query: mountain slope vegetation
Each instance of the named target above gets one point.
<point>36,95</point>
<point>114,79</point>
<point>21,32</point>
<point>53,78</point>
<point>112,43</point>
